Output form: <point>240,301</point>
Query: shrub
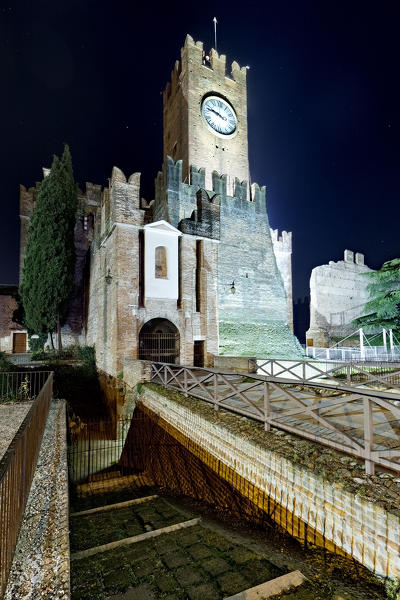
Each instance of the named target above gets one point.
<point>5,364</point>
<point>86,354</point>
<point>37,344</point>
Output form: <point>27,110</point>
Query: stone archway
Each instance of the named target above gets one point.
<point>159,341</point>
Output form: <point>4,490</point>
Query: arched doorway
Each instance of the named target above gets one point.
<point>159,341</point>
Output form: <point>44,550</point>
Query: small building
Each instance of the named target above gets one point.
<point>13,338</point>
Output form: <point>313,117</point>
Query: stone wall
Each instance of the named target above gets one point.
<point>253,321</point>
<point>298,499</point>
<point>115,312</point>
<point>283,253</point>
<point>40,568</point>
<point>186,136</point>
<point>338,295</point>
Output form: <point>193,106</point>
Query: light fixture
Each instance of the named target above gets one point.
<point>233,289</point>
<point>108,277</point>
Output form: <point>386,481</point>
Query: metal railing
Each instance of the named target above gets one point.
<point>160,347</point>
<point>377,375</point>
<point>95,447</point>
<point>345,353</point>
<point>18,465</point>
<point>17,386</point>
<point>360,422</point>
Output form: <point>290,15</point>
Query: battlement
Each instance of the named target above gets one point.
<point>175,199</point>
<point>205,220</point>
<point>193,53</point>
<point>120,202</point>
<point>282,242</point>
<point>356,257</point>
<point>27,200</point>
<point>93,194</point>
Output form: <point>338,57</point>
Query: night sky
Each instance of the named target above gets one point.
<point>323,108</point>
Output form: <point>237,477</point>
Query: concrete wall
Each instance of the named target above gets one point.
<point>338,295</point>
<point>301,501</point>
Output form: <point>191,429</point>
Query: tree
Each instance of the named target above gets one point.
<point>383,308</point>
<point>50,255</point>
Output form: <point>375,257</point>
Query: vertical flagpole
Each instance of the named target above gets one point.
<point>215,32</point>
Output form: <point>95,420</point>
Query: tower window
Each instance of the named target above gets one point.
<point>161,263</point>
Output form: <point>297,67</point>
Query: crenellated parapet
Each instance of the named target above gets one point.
<point>93,194</point>
<point>197,177</point>
<point>186,134</point>
<point>175,200</point>
<point>194,54</point>
<point>282,242</point>
<point>205,220</point>
<point>122,204</point>
<point>27,199</point>
<point>259,197</point>
<point>240,189</point>
<point>219,183</point>
<point>217,62</point>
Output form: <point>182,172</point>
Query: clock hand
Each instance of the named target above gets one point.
<point>217,113</point>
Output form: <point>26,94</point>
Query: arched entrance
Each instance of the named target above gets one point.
<point>159,341</point>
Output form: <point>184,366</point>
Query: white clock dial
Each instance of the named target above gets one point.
<point>219,115</point>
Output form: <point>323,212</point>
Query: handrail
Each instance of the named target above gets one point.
<point>344,422</point>
<point>17,468</point>
<point>305,372</point>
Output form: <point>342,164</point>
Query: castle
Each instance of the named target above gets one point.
<point>338,295</point>
<point>196,272</point>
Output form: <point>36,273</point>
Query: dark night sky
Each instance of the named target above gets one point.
<point>323,108</point>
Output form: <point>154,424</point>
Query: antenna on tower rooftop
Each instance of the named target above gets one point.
<point>215,32</point>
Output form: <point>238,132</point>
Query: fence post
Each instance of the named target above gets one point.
<point>267,407</point>
<point>348,373</point>
<point>216,406</point>
<point>185,381</point>
<point>304,371</point>
<point>165,376</point>
<point>368,435</point>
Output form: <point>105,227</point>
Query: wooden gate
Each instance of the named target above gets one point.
<point>19,343</point>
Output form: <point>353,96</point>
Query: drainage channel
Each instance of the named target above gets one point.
<point>137,545</point>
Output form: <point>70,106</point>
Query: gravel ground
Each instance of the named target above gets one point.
<point>11,417</point>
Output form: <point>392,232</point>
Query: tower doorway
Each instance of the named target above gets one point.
<point>159,341</point>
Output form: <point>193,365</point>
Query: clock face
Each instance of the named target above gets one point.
<point>219,115</point>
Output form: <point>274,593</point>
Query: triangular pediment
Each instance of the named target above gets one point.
<point>163,226</point>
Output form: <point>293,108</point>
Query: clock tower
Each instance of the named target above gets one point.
<point>204,188</point>
<point>205,116</point>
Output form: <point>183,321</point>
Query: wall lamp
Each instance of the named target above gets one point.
<point>233,289</point>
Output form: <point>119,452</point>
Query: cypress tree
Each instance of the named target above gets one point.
<point>383,307</point>
<point>50,254</point>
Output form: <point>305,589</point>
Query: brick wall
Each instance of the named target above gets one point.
<point>299,500</point>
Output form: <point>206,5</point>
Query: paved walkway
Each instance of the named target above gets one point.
<point>11,417</point>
